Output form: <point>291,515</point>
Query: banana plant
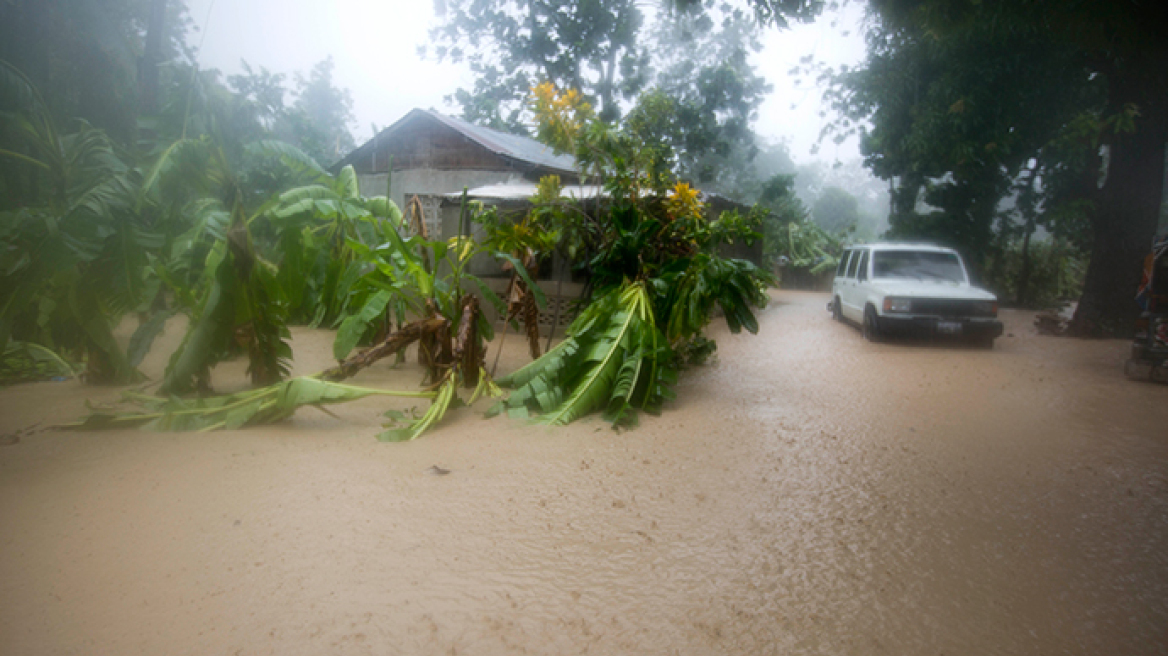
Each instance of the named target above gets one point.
<point>74,248</point>
<point>614,359</point>
<point>657,281</point>
<point>313,226</point>
<point>240,305</point>
<point>526,240</point>
<point>807,246</point>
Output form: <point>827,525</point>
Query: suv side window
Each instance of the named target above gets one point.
<point>853,264</point>
<point>862,274</point>
<point>843,264</point>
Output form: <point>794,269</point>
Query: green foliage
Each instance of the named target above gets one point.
<point>84,55</point>
<point>512,46</point>
<point>836,210</point>
<point>1053,276</point>
<point>804,245</point>
<point>704,94</point>
<point>968,101</point>
<point>265,405</point>
<point>688,296</point>
<point>657,283</point>
<point>75,249</point>
<point>614,358</point>
<point>239,305</point>
<point>687,72</point>
<point>321,115</point>
<point>23,362</point>
<point>443,399</point>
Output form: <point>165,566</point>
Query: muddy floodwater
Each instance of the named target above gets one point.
<point>808,493</point>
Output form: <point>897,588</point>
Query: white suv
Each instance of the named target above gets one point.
<point>912,289</point>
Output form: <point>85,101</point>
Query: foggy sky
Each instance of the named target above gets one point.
<point>374,45</point>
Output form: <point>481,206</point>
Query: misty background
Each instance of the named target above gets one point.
<point>374,49</point>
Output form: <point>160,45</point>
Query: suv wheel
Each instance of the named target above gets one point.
<point>836,312</point>
<point>871,327</point>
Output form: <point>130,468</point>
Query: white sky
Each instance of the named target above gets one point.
<point>374,45</point>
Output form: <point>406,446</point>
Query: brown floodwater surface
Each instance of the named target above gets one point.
<point>807,493</point>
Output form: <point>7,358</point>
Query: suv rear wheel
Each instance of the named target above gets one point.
<point>871,326</point>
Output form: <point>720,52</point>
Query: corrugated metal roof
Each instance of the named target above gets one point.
<point>508,145</point>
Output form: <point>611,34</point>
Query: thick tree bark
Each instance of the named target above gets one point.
<point>1128,211</point>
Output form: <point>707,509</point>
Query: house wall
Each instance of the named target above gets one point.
<point>430,181</point>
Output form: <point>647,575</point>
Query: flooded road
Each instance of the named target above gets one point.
<point>808,493</point>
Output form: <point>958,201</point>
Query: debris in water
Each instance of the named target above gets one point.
<point>437,471</point>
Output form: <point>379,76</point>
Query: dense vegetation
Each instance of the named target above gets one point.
<point>208,215</point>
<point>996,119</point>
<point>135,184</point>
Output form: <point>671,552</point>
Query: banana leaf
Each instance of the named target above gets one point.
<point>437,410</point>
<point>265,405</point>
<point>614,360</point>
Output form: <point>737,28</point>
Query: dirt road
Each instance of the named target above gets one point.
<point>809,493</point>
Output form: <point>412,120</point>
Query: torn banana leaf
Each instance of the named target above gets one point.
<point>261,406</point>
<point>437,410</point>
<point>614,360</point>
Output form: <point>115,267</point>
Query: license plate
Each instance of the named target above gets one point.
<point>949,327</point>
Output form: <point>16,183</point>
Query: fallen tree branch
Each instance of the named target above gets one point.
<point>395,342</point>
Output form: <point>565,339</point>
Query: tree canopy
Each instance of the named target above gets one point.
<point>681,77</point>
<point>974,106</point>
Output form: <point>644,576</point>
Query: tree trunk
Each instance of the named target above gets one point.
<point>1127,214</point>
<point>1026,202</point>
<point>1022,296</point>
<point>151,57</point>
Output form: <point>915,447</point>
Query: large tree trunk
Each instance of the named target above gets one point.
<point>1128,211</point>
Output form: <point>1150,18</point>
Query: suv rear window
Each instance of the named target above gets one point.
<point>843,264</point>
<point>918,265</point>
<point>854,263</point>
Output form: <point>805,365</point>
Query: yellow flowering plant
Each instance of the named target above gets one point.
<point>559,116</point>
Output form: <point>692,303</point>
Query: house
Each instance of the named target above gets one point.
<point>434,155</point>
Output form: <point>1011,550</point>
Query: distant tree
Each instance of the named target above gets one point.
<point>319,119</point>
<point>85,55</point>
<point>512,45</point>
<point>702,66</point>
<point>261,94</point>
<point>783,207</point>
<point>701,92</point>
<point>836,210</point>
